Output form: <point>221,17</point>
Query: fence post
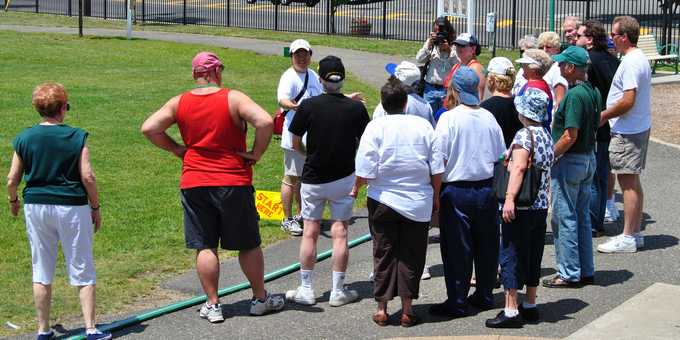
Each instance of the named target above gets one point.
<point>105,9</point>
<point>328,16</point>
<point>143,11</point>
<point>228,13</point>
<point>587,9</point>
<point>184,12</point>
<point>276,17</point>
<point>384,19</point>
<point>514,23</point>
<point>551,13</point>
<point>70,8</point>
<point>37,4</point>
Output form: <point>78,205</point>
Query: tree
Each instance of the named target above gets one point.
<point>669,8</point>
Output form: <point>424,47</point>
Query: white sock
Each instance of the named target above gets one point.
<point>338,280</point>
<point>528,305</point>
<point>306,278</point>
<point>629,237</point>
<point>45,333</point>
<point>511,313</point>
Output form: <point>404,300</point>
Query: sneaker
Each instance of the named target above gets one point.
<point>371,277</point>
<point>426,274</point>
<point>343,297</point>
<point>301,296</point>
<point>270,304</point>
<point>298,218</point>
<point>47,336</point>
<point>611,213</point>
<point>639,241</point>
<point>99,335</point>
<point>291,226</point>
<point>211,312</point>
<point>618,244</point>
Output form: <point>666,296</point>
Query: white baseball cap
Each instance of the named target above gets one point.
<point>298,44</point>
<point>407,72</point>
<point>500,65</point>
<point>528,60</point>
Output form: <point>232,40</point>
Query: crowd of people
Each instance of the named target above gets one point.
<point>558,126</point>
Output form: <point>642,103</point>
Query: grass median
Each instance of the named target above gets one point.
<point>113,85</point>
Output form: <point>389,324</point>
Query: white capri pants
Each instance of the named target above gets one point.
<point>48,224</point>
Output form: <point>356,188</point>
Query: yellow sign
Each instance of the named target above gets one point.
<point>268,204</point>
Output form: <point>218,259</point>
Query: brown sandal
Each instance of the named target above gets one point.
<point>558,282</point>
<point>380,319</point>
<point>409,320</point>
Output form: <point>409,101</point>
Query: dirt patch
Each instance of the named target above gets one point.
<point>666,112</point>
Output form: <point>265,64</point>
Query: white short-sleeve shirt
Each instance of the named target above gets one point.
<point>289,86</point>
<point>633,73</point>
<point>553,77</point>
<point>415,106</point>
<point>395,155</point>
<point>470,141</point>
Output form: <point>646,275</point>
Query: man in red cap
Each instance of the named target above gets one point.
<point>216,182</point>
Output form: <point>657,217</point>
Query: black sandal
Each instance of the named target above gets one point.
<point>558,282</point>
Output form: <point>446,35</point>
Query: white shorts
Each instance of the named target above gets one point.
<point>48,224</point>
<point>314,197</point>
<point>293,162</point>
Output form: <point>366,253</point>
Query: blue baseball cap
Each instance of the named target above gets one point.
<point>466,81</point>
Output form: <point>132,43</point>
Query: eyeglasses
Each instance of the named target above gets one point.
<point>612,34</point>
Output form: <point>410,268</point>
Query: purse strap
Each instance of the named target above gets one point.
<point>304,88</point>
<point>531,152</point>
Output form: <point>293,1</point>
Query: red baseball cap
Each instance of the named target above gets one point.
<point>205,61</point>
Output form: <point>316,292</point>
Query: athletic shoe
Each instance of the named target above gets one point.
<point>611,213</point>
<point>639,241</point>
<point>343,297</point>
<point>301,296</point>
<point>291,226</point>
<point>371,277</point>
<point>271,303</point>
<point>618,244</point>
<point>47,336</point>
<point>426,274</point>
<point>298,218</point>
<point>99,335</point>
<point>211,312</point>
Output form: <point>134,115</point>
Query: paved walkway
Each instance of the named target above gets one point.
<point>618,277</point>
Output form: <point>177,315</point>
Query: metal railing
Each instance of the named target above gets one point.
<point>376,19</point>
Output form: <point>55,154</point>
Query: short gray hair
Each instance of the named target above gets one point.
<point>527,42</point>
<point>331,87</point>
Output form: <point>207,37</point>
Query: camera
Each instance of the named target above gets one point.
<point>440,37</point>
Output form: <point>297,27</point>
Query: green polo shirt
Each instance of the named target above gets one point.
<point>580,108</point>
<point>51,158</point>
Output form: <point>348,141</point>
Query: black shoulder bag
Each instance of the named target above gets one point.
<point>531,182</point>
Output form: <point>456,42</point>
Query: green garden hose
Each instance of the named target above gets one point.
<point>171,308</point>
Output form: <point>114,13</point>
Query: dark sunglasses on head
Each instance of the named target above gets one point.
<point>68,107</point>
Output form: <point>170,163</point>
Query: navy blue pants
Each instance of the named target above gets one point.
<point>598,198</point>
<point>522,246</point>
<point>469,225</point>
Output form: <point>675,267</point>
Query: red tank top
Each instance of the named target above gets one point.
<point>454,69</point>
<point>212,140</point>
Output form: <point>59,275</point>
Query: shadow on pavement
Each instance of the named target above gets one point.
<point>606,278</point>
<point>136,329</point>
<point>553,312</point>
<point>364,288</point>
<point>654,242</point>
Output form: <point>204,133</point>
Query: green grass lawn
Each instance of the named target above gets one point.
<point>114,84</point>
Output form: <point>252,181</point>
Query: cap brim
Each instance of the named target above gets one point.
<point>461,43</point>
<point>526,60</point>
<point>300,48</point>
<point>391,68</point>
<point>468,98</point>
<point>559,58</point>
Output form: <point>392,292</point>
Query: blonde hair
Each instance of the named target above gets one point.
<point>500,82</point>
<point>527,42</point>
<point>49,99</point>
<point>551,39</point>
<point>542,57</point>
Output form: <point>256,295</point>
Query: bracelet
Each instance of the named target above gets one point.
<point>95,208</point>
<point>14,200</point>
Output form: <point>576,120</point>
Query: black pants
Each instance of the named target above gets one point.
<point>468,223</point>
<point>522,249</point>
<point>399,247</point>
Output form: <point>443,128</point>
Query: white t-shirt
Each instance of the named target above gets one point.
<point>633,73</point>
<point>415,106</point>
<point>395,155</point>
<point>289,86</point>
<point>470,141</point>
<point>553,77</point>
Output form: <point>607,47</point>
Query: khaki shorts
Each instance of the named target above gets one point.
<point>336,193</point>
<point>293,162</point>
<point>628,153</point>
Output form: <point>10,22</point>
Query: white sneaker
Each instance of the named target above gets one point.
<point>298,218</point>
<point>371,277</point>
<point>270,304</point>
<point>291,226</point>
<point>211,312</point>
<point>343,297</point>
<point>301,296</point>
<point>426,274</point>
<point>639,240</point>
<point>611,212</point>
<point>618,244</point>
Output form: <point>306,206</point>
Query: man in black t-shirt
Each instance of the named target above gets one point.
<point>593,37</point>
<point>334,125</point>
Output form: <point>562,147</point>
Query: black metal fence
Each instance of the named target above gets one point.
<point>376,19</point>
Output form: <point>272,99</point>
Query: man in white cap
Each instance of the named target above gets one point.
<point>297,84</point>
<point>409,75</point>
